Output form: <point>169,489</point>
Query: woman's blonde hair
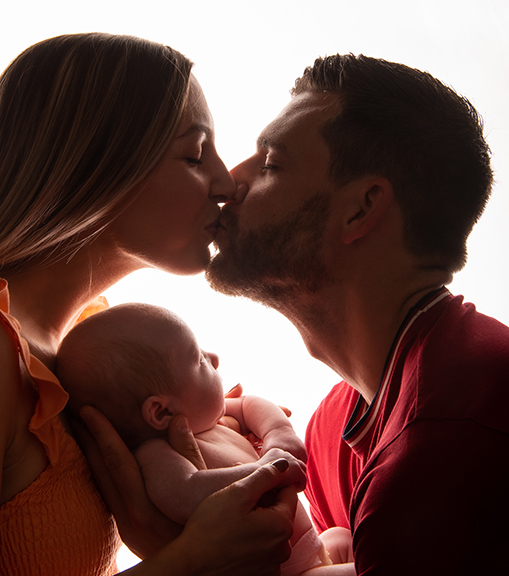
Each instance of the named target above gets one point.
<point>83,119</point>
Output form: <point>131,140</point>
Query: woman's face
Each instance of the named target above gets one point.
<point>174,217</point>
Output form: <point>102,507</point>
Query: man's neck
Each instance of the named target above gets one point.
<point>351,330</point>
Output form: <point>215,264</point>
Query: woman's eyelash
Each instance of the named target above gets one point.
<point>268,167</point>
<point>196,161</point>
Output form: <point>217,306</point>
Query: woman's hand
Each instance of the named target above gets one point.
<point>296,471</point>
<point>235,534</point>
<point>142,527</point>
<point>229,533</point>
<point>182,440</point>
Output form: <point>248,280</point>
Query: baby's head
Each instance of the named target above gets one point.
<point>140,365</point>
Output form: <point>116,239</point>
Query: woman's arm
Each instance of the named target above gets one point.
<point>246,539</point>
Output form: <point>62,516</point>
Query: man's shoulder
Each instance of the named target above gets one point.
<point>455,367</point>
<point>461,334</point>
<point>337,405</point>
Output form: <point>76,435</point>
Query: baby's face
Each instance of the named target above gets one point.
<point>202,396</point>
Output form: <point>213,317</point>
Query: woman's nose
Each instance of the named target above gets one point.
<point>223,187</point>
<point>239,172</point>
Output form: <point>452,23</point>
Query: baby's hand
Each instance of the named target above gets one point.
<point>285,438</point>
<point>296,474</point>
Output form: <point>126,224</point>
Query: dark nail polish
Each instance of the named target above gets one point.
<point>281,464</point>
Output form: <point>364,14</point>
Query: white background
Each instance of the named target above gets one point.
<point>247,56</point>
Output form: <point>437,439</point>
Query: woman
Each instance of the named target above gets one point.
<point>107,165</point>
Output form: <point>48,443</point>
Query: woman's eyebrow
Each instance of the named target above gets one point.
<point>196,128</point>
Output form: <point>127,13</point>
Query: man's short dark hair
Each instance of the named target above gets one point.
<point>405,125</point>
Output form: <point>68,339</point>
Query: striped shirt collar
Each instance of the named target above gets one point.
<point>363,417</point>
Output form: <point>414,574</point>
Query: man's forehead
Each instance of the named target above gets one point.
<point>306,112</point>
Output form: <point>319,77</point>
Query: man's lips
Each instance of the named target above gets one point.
<point>217,231</point>
<point>226,219</point>
<point>225,222</point>
<point>221,225</point>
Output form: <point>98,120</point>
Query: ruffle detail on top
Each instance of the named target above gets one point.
<point>52,397</point>
<point>58,524</point>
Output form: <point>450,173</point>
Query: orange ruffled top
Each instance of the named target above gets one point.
<point>59,524</point>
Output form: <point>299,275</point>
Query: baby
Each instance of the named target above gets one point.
<point>140,365</point>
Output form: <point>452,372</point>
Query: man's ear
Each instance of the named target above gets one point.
<point>371,199</point>
<point>157,411</point>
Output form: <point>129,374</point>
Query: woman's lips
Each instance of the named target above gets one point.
<point>212,229</point>
<point>213,226</point>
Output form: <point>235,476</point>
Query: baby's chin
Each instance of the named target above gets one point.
<point>203,426</point>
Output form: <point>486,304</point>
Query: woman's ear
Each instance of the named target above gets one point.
<point>371,199</point>
<point>157,411</point>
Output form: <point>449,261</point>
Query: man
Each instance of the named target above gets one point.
<point>350,218</point>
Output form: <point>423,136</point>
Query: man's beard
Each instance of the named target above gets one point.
<point>275,262</point>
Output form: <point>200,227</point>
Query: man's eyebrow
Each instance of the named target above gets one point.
<point>264,142</point>
<point>196,128</point>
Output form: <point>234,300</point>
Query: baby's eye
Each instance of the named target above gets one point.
<point>202,358</point>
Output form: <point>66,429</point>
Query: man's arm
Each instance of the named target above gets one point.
<point>432,503</point>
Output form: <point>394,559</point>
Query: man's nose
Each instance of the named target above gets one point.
<point>239,174</point>
<point>240,193</point>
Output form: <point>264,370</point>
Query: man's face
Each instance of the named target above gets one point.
<point>271,242</point>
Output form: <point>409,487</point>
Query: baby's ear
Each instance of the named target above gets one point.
<point>157,411</point>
